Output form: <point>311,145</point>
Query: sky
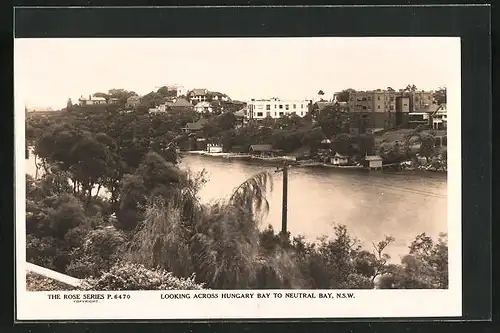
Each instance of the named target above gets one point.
<point>49,71</point>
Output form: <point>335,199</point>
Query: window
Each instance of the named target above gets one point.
<point>378,107</point>
<point>378,98</point>
<point>301,113</point>
<point>364,107</point>
<point>259,114</point>
<point>405,104</point>
<point>301,106</point>
<point>275,114</point>
<point>295,106</point>
<point>281,113</point>
<point>281,106</point>
<point>293,112</point>
<point>268,107</point>
<point>286,107</point>
<point>268,114</point>
<point>275,106</point>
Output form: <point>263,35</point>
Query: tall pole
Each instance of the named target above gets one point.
<point>285,201</point>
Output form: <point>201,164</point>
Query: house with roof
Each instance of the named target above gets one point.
<point>178,103</point>
<point>195,127</point>
<point>203,107</point>
<point>262,150</point>
<point>339,159</point>
<point>373,162</point>
<point>217,96</point>
<point>241,116</point>
<point>113,100</point>
<point>198,95</point>
<point>91,100</point>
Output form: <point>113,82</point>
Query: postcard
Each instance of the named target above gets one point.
<point>223,178</point>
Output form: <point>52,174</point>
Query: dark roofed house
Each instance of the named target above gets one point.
<point>199,95</point>
<point>196,126</point>
<point>180,103</point>
<point>241,116</point>
<point>322,105</point>
<point>263,150</point>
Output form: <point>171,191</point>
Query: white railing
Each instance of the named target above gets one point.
<point>56,276</point>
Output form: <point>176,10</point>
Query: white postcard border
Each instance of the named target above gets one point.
<point>150,305</point>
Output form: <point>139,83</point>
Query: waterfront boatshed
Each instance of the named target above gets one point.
<point>262,150</point>
<point>214,148</point>
<point>373,162</point>
<point>339,159</point>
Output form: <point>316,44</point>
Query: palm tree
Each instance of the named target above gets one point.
<point>218,242</point>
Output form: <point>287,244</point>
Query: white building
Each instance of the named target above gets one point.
<point>440,119</point>
<point>214,148</point>
<point>178,88</point>
<point>276,108</point>
<point>202,107</point>
<point>91,100</point>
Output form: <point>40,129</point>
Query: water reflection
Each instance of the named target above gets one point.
<point>371,205</point>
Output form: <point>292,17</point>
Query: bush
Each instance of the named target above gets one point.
<point>128,276</point>
<point>97,253</point>
<point>35,282</point>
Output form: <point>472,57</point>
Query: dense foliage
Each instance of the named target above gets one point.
<point>113,206</point>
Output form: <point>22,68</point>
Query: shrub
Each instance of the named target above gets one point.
<point>128,276</point>
<point>35,282</point>
<point>97,253</point>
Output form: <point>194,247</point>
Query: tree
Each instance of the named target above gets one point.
<point>121,94</point>
<point>103,95</point>
<point>427,145</point>
<point>344,95</point>
<point>390,89</point>
<point>440,96</point>
<point>411,88</point>
<point>69,104</point>
<point>166,92</point>
<point>153,99</point>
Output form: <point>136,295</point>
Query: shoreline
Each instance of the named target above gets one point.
<point>279,161</point>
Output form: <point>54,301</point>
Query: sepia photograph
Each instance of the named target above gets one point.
<point>233,165</point>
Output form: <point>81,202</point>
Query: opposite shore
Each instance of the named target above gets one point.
<point>291,161</point>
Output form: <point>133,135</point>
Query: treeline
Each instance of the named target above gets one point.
<point>153,217</point>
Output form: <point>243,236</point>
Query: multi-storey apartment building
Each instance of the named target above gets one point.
<point>376,110</point>
<point>420,99</point>
<point>276,108</point>
<point>373,100</point>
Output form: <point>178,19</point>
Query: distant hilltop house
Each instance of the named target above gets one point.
<point>276,108</point>
<point>198,95</point>
<point>177,104</point>
<point>91,100</point>
<point>179,89</point>
<point>202,107</point>
<point>113,100</point>
<point>204,95</point>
